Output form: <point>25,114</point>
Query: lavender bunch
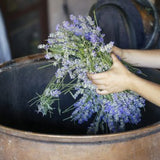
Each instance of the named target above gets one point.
<point>78,47</point>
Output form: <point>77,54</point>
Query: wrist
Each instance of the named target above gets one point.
<point>131,80</point>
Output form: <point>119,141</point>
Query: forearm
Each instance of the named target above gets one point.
<point>145,88</point>
<point>141,58</point>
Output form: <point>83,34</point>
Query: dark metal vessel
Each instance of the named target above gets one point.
<point>26,135</point>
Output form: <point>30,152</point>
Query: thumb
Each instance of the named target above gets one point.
<point>114,58</point>
<point>116,61</point>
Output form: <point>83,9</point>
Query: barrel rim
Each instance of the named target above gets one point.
<point>49,138</point>
<point>82,139</point>
<point>22,60</point>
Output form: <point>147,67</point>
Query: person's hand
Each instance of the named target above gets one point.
<point>117,51</point>
<point>116,79</point>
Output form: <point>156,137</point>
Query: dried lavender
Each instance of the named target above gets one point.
<point>78,47</point>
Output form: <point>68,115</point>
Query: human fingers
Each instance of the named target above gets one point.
<point>101,87</point>
<point>117,63</point>
<point>96,76</point>
<point>117,51</point>
<point>114,58</point>
<point>102,92</point>
<point>99,81</point>
<point>103,75</point>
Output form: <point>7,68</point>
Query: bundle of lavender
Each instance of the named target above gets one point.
<point>78,48</point>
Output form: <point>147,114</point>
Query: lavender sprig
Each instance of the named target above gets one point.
<point>78,47</point>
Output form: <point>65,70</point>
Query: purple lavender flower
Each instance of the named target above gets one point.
<point>55,93</point>
<point>77,33</point>
<point>93,53</point>
<point>98,29</point>
<point>74,19</point>
<point>78,48</point>
<point>93,38</point>
<point>139,71</point>
<point>101,40</point>
<point>48,55</point>
<point>87,36</point>
<point>57,27</point>
<point>50,41</point>
<point>109,46</point>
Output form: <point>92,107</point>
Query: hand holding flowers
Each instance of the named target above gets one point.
<point>116,79</point>
<point>78,48</point>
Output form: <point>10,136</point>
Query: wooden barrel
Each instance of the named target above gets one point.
<point>120,22</point>
<point>127,22</point>
<point>26,135</point>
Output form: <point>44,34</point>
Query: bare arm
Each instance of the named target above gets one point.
<point>145,88</point>
<point>118,79</point>
<point>141,58</point>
